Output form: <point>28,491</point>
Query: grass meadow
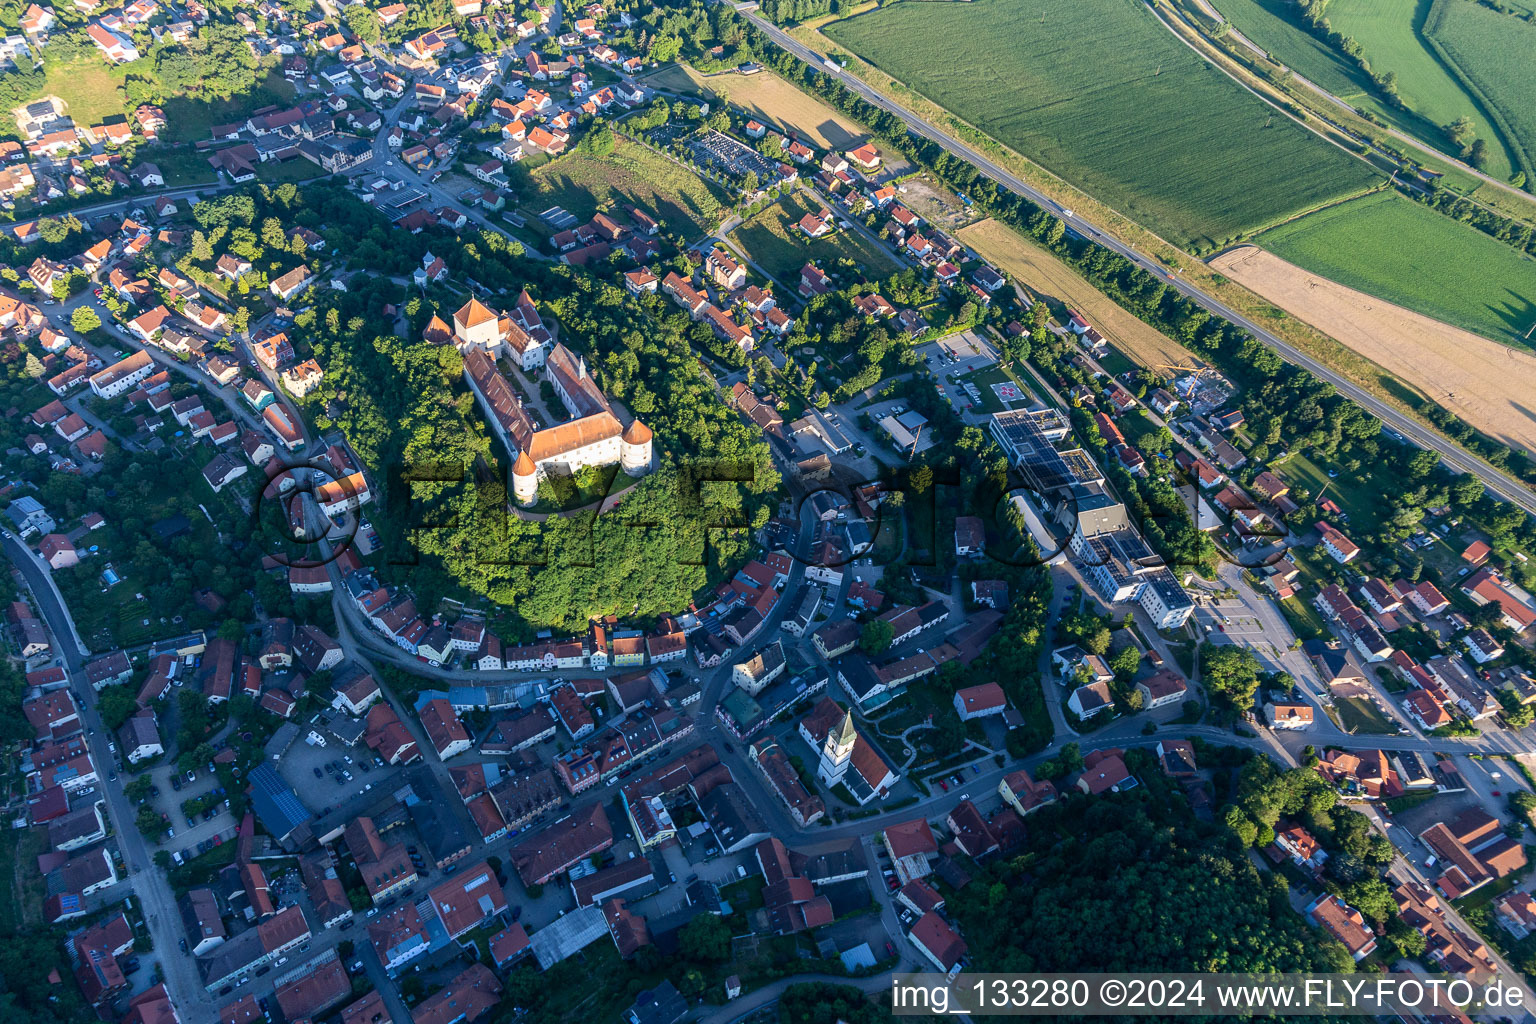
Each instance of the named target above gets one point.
<point>773,242</point>
<point>1396,249</point>
<point>1494,53</point>
<point>684,203</point>
<point>1103,96</point>
<point>1392,34</point>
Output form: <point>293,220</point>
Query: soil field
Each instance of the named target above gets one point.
<point>1044,275</point>
<point>1491,386</point>
<point>1102,95</point>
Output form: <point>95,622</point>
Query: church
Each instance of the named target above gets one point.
<point>846,757</point>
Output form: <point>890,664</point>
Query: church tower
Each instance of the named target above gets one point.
<point>837,752</point>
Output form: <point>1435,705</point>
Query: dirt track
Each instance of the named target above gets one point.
<point>1489,385</point>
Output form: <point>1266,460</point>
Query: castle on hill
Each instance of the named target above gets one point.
<point>593,436</point>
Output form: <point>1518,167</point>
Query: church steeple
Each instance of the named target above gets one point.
<point>837,751</point>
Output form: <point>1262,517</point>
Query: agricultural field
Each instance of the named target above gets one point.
<point>770,99</point>
<point>1424,84</point>
<point>773,243</point>
<point>1493,52</point>
<point>1043,275</point>
<point>1489,385</point>
<point>1103,96</point>
<point>1392,35</point>
<point>1274,26</point>
<point>686,204</point>
<point>1391,247</point>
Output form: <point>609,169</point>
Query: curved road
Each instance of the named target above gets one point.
<point>1498,482</point>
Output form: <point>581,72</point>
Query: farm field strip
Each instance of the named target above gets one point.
<point>769,98</point>
<point>1043,274</point>
<point>1105,97</point>
<point>1391,247</point>
<point>1490,386</point>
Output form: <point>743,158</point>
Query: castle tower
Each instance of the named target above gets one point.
<point>837,751</point>
<point>475,324</point>
<point>525,480</point>
<point>635,449</point>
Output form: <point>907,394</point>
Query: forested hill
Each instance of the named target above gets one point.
<point>1134,882</point>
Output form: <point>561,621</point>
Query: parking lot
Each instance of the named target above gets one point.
<point>325,776</point>
<point>1229,622</point>
<point>965,352</point>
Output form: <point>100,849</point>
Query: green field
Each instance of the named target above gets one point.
<point>1392,34</point>
<point>92,88</point>
<point>1493,53</point>
<point>1273,25</point>
<point>772,241</point>
<point>1104,96</point>
<point>1396,249</point>
<point>686,204</point>
<point>1352,492</point>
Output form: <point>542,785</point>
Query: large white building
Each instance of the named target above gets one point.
<point>519,335</point>
<point>592,437</point>
<point>1119,561</point>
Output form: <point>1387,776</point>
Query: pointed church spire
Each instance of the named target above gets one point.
<point>847,735</point>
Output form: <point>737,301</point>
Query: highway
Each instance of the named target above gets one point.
<point>1498,482</point>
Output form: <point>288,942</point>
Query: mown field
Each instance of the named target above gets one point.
<point>1496,54</point>
<point>1043,275</point>
<point>684,203</point>
<point>1392,34</point>
<point>1108,99</point>
<point>773,243</point>
<point>1394,248</point>
<point>770,99</point>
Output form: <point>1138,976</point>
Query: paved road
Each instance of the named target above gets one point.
<point>149,882</point>
<point>1501,484</point>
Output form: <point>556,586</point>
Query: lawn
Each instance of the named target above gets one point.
<point>1398,250</point>
<point>1354,494</point>
<point>90,86</point>
<point>771,239</point>
<point>1361,715</point>
<point>189,120</point>
<point>685,204</point>
<point>1108,99</point>
<point>1492,52</point>
<point>1392,34</point>
<point>1305,621</point>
